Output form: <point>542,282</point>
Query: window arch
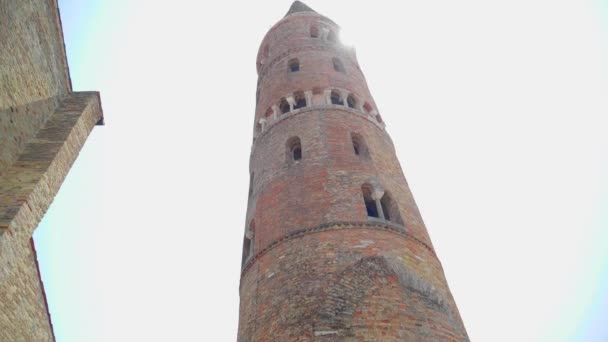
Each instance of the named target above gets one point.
<point>314,31</point>
<point>336,98</point>
<point>300,100</point>
<point>248,243</point>
<point>359,145</point>
<point>284,106</point>
<point>351,101</point>
<point>293,65</point>
<point>384,208</point>
<point>331,36</point>
<point>294,150</point>
<point>390,209</point>
<point>338,65</point>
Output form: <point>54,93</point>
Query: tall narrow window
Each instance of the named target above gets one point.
<point>338,66</point>
<point>293,65</point>
<point>248,243</point>
<point>359,146</point>
<point>294,150</point>
<point>352,101</point>
<point>370,204</point>
<point>390,209</point>
<point>300,100</point>
<point>314,31</point>
<point>284,106</point>
<point>250,183</point>
<point>331,36</point>
<point>336,98</point>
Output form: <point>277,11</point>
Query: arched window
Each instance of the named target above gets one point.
<point>293,65</point>
<point>351,101</point>
<point>390,209</point>
<point>300,100</point>
<point>250,183</point>
<point>314,31</point>
<point>359,146</point>
<point>284,106</point>
<point>248,243</point>
<point>367,107</point>
<point>379,118</point>
<point>336,98</point>
<point>370,203</point>
<point>331,36</point>
<point>338,66</point>
<point>294,150</point>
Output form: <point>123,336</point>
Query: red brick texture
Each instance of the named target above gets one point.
<point>320,269</point>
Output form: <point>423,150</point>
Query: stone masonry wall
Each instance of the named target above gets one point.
<point>43,126</point>
<point>33,71</point>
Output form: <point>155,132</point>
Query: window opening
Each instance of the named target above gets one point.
<point>367,107</point>
<point>284,106</point>
<point>352,102</point>
<point>338,66</point>
<point>314,32</point>
<point>300,100</point>
<point>336,98</point>
<point>370,204</point>
<point>294,65</point>
<point>294,149</point>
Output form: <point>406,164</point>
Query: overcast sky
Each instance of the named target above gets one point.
<point>498,113</point>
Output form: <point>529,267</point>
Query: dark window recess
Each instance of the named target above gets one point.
<point>336,98</point>
<point>246,250</point>
<point>370,205</point>
<point>300,100</point>
<point>385,209</point>
<point>250,184</point>
<point>294,65</point>
<point>294,150</point>
<point>284,106</point>
<point>314,32</point>
<point>367,107</point>
<point>297,153</point>
<point>356,147</point>
<point>338,66</point>
<point>352,102</point>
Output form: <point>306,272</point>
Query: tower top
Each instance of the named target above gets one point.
<point>299,6</point>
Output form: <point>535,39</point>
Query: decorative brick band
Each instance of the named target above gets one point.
<point>401,231</point>
<point>292,114</point>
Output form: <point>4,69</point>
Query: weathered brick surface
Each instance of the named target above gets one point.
<point>320,268</point>
<point>33,71</point>
<point>43,126</point>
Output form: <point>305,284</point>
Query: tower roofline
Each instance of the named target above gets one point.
<point>299,6</point>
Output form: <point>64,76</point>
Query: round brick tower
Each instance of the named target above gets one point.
<point>334,248</point>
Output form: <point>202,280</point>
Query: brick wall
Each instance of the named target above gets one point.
<point>43,125</point>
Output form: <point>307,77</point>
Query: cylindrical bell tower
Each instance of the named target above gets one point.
<point>334,246</point>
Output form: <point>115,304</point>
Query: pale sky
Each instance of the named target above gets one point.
<point>497,110</point>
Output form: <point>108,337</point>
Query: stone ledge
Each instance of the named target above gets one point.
<point>29,185</point>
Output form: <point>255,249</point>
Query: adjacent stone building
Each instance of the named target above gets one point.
<point>43,125</point>
<point>334,246</point>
